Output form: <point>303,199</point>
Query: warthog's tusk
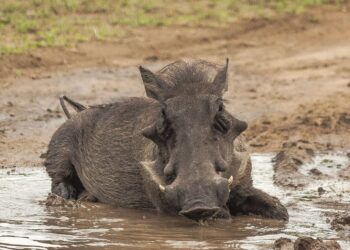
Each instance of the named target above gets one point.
<point>148,173</point>
<point>230,181</point>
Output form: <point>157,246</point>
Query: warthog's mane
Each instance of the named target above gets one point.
<point>189,77</point>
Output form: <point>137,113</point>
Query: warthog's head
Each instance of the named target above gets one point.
<point>194,134</point>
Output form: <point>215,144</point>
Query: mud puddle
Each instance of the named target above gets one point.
<point>26,223</point>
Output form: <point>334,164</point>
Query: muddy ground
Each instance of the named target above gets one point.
<point>289,78</point>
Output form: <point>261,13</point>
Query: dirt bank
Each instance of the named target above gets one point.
<point>289,78</point>
<point>305,243</point>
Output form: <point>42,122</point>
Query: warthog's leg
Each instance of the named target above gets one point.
<point>65,190</point>
<point>249,200</point>
<point>65,182</point>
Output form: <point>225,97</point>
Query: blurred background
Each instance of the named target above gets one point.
<point>30,24</point>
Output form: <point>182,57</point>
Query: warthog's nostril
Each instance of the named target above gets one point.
<point>199,212</point>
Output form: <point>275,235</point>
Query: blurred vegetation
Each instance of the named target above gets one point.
<point>29,24</point>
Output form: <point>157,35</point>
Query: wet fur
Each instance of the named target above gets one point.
<point>107,140</point>
<point>98,151</point>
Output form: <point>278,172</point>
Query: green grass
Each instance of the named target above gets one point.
<point>30,24</point>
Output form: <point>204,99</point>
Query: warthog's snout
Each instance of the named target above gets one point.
<point>199,211</point>
<point>198,199</point>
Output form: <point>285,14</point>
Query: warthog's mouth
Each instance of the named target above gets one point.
<point>199,211</point>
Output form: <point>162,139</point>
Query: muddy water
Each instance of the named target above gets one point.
<point>25,222</point>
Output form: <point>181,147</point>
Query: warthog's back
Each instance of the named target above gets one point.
<point>109,148</point>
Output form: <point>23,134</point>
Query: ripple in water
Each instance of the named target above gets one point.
<point>26,223</point>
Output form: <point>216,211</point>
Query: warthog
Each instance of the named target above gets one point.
<point>178,151</point>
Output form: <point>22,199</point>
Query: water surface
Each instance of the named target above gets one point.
<point>26,223</point>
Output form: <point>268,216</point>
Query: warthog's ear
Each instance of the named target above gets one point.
<point>154,86</point>
<point>239,126</point>
<point>150,132</point>
<point>219,85</point>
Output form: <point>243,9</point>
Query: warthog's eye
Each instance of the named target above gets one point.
<point>221,123</point>
<point>220,166</point>
<point>221,107</point>
<point>170,172</point>
<point>170,178</point>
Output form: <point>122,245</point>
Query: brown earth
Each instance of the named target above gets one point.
<point>342,222</point>
<point>305,243</point>
<point>289,78</point>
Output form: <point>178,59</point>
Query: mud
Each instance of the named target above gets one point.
<point>305,243</point>
<point>288,161</point>
<point>26,220</point>
<point>342,222</point>
<point>289,79</point>
<point>292,167</point>
<point>30,110</point>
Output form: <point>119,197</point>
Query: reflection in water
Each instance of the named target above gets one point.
<point>25,222</point>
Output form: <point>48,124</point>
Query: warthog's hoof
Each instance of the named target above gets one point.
<point>65,190</point>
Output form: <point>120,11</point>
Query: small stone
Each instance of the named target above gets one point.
<point>151,58</point>
<point>283,243</point>
<point>252,90</point>
<point>344,119</point>
<point>341,221</point>
<point>43,155</point>
<point>321,191</point>
<point>308,243</point>
<point>315,171</point>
